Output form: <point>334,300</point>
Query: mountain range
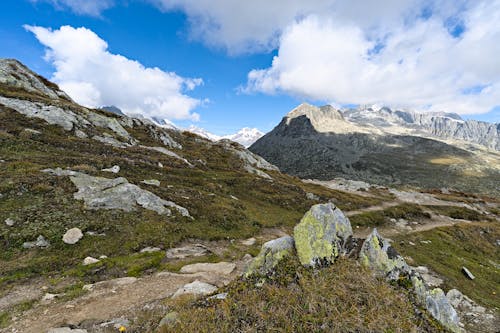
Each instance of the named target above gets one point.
<point>245,136</point>
<point>386,147</point>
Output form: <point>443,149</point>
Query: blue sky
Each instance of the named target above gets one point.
<point>316,48</point>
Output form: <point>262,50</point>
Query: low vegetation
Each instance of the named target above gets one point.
<point>446,250</point>
<point>341,298</point>
<point>380,217</point>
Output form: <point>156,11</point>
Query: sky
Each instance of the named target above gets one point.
<point>226,64</point>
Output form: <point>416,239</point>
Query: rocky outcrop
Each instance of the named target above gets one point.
<point>221,268</point>
<point>270,255</point>
<point>195,250</point>
<point>117,193</point>
<point>322,235</point>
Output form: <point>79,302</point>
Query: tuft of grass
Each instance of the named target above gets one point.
<point>381,217</point>
<point>341,298</point>
<point>472,245</point>
<point>4,319</point>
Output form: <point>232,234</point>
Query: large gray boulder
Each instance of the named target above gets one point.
<point>270,255</point>
<point>196,288</point>
<point>116,193</point>
<point>322,234</point>
<point>378,254</point>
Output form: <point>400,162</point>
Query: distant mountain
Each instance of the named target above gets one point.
<point>385,147</point>
<point>245,136</point>
<point>433,124</point>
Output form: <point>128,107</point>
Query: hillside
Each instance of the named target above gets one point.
<point>324,143</point>
<point>105,218</point>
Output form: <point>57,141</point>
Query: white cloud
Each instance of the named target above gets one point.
<point>83,7</point>
<point>418,63</point>
<point>95,77</point>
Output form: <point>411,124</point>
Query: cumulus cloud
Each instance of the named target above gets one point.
<point>440,58</point>
<point>85,7</point>
<point>95,77</point>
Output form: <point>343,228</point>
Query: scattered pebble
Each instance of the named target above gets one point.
<point>113,169</point>
<point>10,222</point>
<point>90,261</point>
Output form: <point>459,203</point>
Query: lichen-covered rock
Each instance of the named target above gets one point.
<point>436,302</point>
<point>322,234</point>
<point>440,308</point>
<point>40,242</point>
<point>196,288</point>
<point>378,254</point>
<point>270,254</point>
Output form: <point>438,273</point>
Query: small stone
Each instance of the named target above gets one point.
<point>81,134</point>
<point>10,222</point>
<point>103,257</point>
<point>66,330</point>
<point>150,249</point>
<point>195,250</point>
<point>233,197</point>
<point>48,297</point>
<point>72,236</point>
<point>113,169</point>
<point>425,242</point>
<point>249,242</point>
<point>153,182</point>
<point>312,196</point>
<point>160,165</point>
<point>196,288</point>
<point>40,242</point>
<point>90,261</point>
<point>467,273</point>
<point>220,296</point>
<point>411,243</point>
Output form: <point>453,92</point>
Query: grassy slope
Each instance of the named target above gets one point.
<point>469,245</point>
<point>42,204</point>
<point>341,298</point>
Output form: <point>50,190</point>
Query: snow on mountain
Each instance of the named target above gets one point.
<point>245,136</point>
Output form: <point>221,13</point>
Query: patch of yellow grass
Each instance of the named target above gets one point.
<point>447,160</point>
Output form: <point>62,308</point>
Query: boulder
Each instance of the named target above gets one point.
<point>378,254</point>
<point>72,236</point>
<point>436,302</point>
<point>322,234</point>
<point>222,268</point>
<point>270,254</point>
<point>196,288</point>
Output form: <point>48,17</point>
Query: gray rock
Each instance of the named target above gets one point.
<point>150,249</point>
<point>429,278</point>
<point>113,169</point>
<point>40,242</point>
<point>322,234</point>
<point>90,261</point>
<point>153,182</point>
<point>249,242</point>
<point>167,152</point>
<point>81,134</point>
<point>196,288</point>
<point>10,222</point>
<point>221,268</point>
<point>117,193</point>
<point>72,236</point>
<point>378,254</point>
<point>220,296</point>
<point>109,140</point>
<point>270,255</point>
<point>467,273</point>
<point>311,196</point>
<point>441,309</point>
<point>195,250</point>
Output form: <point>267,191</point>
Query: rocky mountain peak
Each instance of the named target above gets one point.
<point>16,75</point>
<point>324,119</point>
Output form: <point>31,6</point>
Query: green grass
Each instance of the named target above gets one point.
<point>469,245</point>
<point>458,213</point>
<point>4,319</point>
<point>380,217</point>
